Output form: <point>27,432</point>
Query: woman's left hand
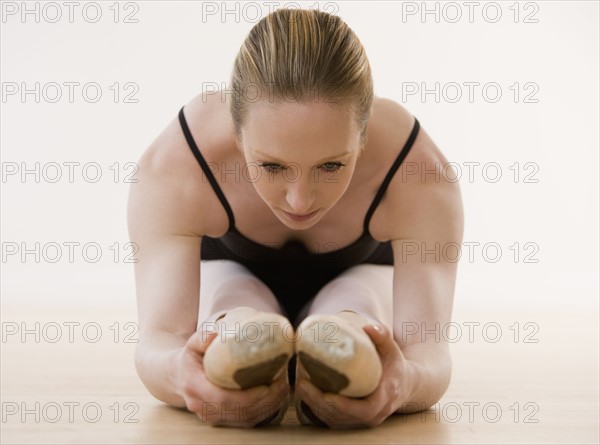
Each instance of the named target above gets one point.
<point>393,390</point>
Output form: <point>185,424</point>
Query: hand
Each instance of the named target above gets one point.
<point>220,406</point>
<point>344,412</point>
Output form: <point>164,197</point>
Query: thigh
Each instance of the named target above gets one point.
<point>366,289</point>
<point>225,285</point>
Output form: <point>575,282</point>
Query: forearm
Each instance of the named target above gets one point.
<point>154,361</point>
<point>429,370</point>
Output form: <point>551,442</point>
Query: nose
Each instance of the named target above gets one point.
<point>300,197</point>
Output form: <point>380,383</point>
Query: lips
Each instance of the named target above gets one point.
<point>304,217</point>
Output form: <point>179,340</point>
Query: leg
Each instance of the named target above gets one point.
<point>226,285</point>
<point>229,288</point>
<point>366,289</point>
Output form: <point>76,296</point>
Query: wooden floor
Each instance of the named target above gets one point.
<point>535,383</point>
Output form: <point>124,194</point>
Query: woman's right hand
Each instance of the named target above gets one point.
<point>219,406</point>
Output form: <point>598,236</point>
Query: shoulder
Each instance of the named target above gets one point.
<point>208,123</point>
<point>172,189</point>
<point>389,124</point>
<point>423,193</point>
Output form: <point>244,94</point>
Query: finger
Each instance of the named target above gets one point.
<point>360,412</point>
<point>241,417</point>
<point>341,412</point>
<point>313,397</point>
<point>308,392</point>
<point>275,404</point>
<point>258,401</point>
<point>213,416</point>
<point>378,332</point>
<point>252,406</point>
<point>382,338</point>
<point>200,340</point>
<point>277,390</point>
<point>351,408</point>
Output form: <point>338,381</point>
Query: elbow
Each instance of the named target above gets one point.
<point>430,385</point>
<point>155,384</point>
<point>440,379</point>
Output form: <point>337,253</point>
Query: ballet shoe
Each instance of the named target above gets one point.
<point>252,348</point>
<point>337,355</point>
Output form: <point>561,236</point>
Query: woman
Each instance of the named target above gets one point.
<point>288,200</point>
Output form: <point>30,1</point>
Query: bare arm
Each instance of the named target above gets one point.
<point>425,266</point>
<point>167,273</point>
<point>420,218</point>
<point>170,208</point>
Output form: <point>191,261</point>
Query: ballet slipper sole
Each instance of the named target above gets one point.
<point>241,362</point>
<point>261,373</point>
<point>323,376</point>
<point>343,362</point>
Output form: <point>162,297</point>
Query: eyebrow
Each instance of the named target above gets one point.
<point>341,155</point>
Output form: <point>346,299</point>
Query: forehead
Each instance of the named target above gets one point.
<point>281,128</point>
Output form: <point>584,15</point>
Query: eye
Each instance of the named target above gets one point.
<point>271,168</point>
<point>332,166</point>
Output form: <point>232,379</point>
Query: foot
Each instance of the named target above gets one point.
<point>337,356</point>
<point>252,348</point>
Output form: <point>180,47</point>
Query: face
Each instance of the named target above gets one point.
<point>302,157</point>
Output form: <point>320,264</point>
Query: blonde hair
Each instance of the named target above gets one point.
<point>301,55</point>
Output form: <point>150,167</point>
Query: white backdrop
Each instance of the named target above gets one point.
<point>516,109</point>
